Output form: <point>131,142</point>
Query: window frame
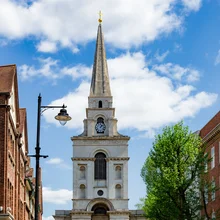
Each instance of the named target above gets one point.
<point>100,166</point>
<point>212,157</point>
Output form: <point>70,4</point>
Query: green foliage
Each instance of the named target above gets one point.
<point>172,173</point>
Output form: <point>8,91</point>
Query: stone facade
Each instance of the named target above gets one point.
<point>16,175</point>
<point>100,155</point>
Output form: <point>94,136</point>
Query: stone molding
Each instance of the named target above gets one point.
<point>93,159</point>
<point>83,159</point>
<point>117,158</point>
<point>99,142</point>
<point>121,212</point>
<point>95,201</point>
<point>82,212</point>
<point>211,134</point>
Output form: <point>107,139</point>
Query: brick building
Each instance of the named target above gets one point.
<point>210,134</point>
<point>16,175</point>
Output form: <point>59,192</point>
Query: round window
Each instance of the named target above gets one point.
<point>100,192</point>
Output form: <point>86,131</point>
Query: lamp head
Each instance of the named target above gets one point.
<point>63,117</point>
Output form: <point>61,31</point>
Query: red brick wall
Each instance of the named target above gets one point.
<point>12,160</point>
<point>213,141</point>
<point>12,166</point>
<point>214,173</point>
<point>3,152</point>
<point>210,125</point>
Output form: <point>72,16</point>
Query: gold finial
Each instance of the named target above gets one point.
<point>100,17</point>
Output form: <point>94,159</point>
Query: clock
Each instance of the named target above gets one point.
<point>100,127</point>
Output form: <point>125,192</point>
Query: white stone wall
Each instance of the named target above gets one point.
<point>116,155</point>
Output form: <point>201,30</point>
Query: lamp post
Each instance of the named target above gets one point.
<point>62,117</point>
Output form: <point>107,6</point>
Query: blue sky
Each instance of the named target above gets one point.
<point>163,60</point>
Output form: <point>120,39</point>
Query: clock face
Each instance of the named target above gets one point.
<point>100,127</point>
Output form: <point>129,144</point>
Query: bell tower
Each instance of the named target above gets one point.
<point>100,153</point>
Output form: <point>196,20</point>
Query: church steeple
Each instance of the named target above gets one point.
<point>100,85</point>
<point>100,153</point>
<point>100,114</point>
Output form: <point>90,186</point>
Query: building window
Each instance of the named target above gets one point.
<point>82,191</point>
<point>100,166</point>
<point>213,215</point>
<point>118,191</point>
<point>219,152</point>
<point>82,170</point>
<point>206,194</point>
<point>212,157</point>
<point>100,209</point>
<point>100,104</point>
<point>206,163</point>
<point>118,172</point>
<point>213,189</point>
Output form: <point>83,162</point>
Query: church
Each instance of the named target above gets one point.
<point>100,155</point>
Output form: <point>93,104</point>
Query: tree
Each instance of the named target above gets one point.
<point>174,173</point>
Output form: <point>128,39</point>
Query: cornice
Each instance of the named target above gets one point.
<point>121,212</point>
<point>93,159</point>
<point>119,137</point>
<point>100,109</point>
<point>81,212</point>
<point>211,134</point>
<point>83,159</point>
<point>99,97</point>
<point>117,158</point>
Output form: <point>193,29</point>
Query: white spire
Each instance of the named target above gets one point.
<point>100,85</point>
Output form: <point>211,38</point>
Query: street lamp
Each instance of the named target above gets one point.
<point>62,117</point>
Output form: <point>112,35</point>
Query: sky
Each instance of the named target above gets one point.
<point>164,65</point>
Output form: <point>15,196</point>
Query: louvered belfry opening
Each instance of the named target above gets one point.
<point>100,166</point>
<point>100,104</point>
<point>100,120</point>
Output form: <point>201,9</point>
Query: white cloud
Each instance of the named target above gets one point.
<point>217,59</point>
<point>61,196</point>
<point>160,57</point>
<point>192,5</point>
<point>54,161</point>
<point>77,71</point>
<point>58,162</point>
<point>144,99</point>
<point>69,23</point>
<point>177,72</point>
<point>47,46</point>
<point>3,42</point>
<point>48,218</point>
<point>51,69</point>
<point>47,67</point>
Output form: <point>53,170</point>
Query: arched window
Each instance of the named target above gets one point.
<point>118,172</point>
<point>82,191</point>
<point>100,166</point>
<point>100,120</point>
<point>118,191</point>
<point>100,209</point>
<point>82,172</point>
<point>100,104</point>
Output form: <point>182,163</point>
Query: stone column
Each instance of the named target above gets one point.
<point>110,180</point>
<point>90,180</point>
